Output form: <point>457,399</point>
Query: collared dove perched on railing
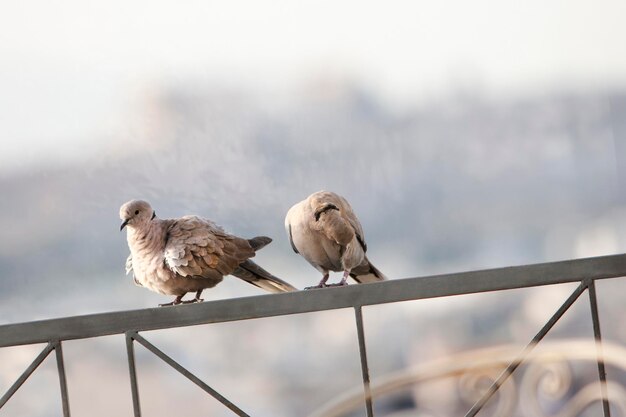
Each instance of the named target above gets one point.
<point>325,231</point>
<point>189,254</point>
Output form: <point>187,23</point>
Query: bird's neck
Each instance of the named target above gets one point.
<point>149,237</point>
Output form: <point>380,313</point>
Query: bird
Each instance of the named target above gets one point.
<point>189,254</point>
<point>324,230</point>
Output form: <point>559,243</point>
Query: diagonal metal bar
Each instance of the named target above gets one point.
<point>188,375</point>
<point>520,359</point>
<point>62,379</point>
<point>31,368</point>
<point>364,367</point>
<point>595,318</point>
<point>130,352</point>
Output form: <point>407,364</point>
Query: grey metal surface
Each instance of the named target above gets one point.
<point>132,370</point>
<point>358,315</point>
<point>584,271</point>
<point>595,318</point>
<point>314,300</point>
<point>65,402</point>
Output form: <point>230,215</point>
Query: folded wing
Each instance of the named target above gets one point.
<point>196,247</point>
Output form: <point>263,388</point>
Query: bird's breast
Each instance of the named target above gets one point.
<point>148,260</point>
<point>318,250</point>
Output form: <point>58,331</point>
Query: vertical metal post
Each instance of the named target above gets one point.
<point>364,367</point>
<point>130,350</point>
<point>62,379</point>
<point>593,302</point>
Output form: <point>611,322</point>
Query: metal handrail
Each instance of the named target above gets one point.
<point>95,325</point>
<point>130,323</point>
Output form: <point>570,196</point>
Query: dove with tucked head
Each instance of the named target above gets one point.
<point>189,254</point>
<point>325,231</point>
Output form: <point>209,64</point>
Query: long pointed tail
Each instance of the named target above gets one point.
<point>367,272</point>
<point>255,275</point>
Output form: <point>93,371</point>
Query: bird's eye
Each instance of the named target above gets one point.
<point>136,212</point>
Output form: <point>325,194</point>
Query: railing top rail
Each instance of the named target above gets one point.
<point>94,325</point>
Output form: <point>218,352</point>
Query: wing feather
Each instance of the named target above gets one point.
<point>348,214</point>
<point>338,228</point>
<point>198,248</point>
<point>129,264</point>
<point>129,269</point>
<point>293,245</point>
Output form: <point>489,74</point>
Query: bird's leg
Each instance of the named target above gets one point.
<point>177,300</point>
<point>194,300</point>
<point>344,280</point>
<point>322,283</point>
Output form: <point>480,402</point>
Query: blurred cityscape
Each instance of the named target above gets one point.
<point>463,182</point>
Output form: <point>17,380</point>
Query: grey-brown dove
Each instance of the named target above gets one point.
<point>189,254</point>
<point>325,231</point>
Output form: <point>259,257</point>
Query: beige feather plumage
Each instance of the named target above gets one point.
<point>325,231</point>
<point>189,254</point>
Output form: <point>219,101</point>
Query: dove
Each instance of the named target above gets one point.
<point>189,254</point>
<point>325,231</point>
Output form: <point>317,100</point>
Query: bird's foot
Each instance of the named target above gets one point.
<point>177,300</point>
<point>313,287</point>
<point>322,283</point>
<point>173,303</point>
<point>339,284</point>
<point>193,300</point>
<point>343,282</point>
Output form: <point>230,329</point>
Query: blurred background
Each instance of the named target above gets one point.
<point>466,135</point>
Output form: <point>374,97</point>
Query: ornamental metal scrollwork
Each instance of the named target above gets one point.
<point>557,379</point>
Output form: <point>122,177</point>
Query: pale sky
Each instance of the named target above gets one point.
<point>72,70</point>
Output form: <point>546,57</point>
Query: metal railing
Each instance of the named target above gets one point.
<point>131,323</point>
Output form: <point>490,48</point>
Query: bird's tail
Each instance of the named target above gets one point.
<point>255,275</point>
<point>367,272</point>
<point>259,242</point>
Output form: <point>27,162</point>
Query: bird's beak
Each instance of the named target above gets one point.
<point>153,215</point>
<point>124,223</point>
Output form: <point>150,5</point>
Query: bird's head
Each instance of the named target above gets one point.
<point>136,213</point>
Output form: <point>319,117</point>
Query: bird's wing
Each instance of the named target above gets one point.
<point>196,247</point>
<point>347,212</point>
<point>340,228</point>
<point>288,228</point>
<point>129,264</point>
<point>129,269</point>
<point>293,245</point>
